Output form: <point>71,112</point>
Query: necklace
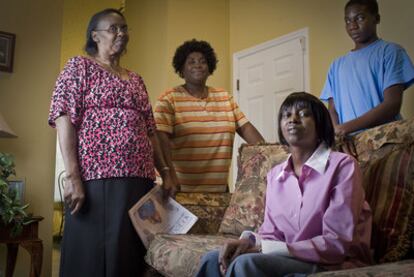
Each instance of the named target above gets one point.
<point>116,70</point>
<point>203,95</point>
<point>202,98</point>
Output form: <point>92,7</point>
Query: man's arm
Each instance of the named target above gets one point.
<point>383,113</point>
<point>332,112</point>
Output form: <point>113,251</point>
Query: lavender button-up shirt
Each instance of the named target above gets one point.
<point>320,217</point>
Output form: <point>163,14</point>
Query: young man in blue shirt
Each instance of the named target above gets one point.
<point>364,88</point>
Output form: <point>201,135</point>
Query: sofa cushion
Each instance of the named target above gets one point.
<point>246,208</point>
<point>402,268</point>
<point>389,187</point>
<point>209,207</point>
<point>179,255</point>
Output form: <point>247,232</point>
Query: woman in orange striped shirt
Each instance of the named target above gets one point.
<point>197,123</point>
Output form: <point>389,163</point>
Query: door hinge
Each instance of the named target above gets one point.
<point>238,85</point>
<point>302,43</point>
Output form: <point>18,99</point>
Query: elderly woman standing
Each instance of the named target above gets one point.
<point>197,123</point>
<point>107,138</point>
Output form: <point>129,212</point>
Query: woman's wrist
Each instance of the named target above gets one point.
<point>165,170</point>
<point>74,176</point>
<point>253,238</point>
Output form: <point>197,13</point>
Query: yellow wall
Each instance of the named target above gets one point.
<point>253,22</point>
<point>76,15</point>
<point>24,102</point>
<point>158,27</point>
<point>147,47</point>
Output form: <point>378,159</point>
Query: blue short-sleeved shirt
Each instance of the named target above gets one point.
<point>357,80</point>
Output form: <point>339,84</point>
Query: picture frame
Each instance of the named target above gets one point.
<point>19,187</point>
<point>7,42</point>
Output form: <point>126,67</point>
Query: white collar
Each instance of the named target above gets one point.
<point>319,158</point>
<point>317,161</point>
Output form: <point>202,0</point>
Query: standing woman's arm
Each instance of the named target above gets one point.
<point>250,134</point>
<point>165,117</point>
<point>74,193</point>
<point>244,128</point>
<point>165,144</point>
<point>168,182</point>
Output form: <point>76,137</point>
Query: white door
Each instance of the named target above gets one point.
<point>264,75</point>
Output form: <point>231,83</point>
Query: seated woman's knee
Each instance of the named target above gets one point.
<point>210,258</point>
<point>242,263</point>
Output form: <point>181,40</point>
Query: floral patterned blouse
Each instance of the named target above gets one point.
<point>113,119</point>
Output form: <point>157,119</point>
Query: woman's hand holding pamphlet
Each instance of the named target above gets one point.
<point>152,215</point>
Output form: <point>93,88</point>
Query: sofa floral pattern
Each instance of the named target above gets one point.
<point>377,142</point>
<point>179,255</point>
<point>386,157</point>
<point>397,269</point>
<point>208,207</point>
<point>246,208</point>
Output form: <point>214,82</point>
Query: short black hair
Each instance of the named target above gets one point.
<point>324,127</point>
<point>90,47</point>
<point>191,46</point>
<point>371,5</point>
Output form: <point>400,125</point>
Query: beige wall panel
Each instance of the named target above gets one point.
<point>24,102</point>
<point>147,47</point>
<point>200,19</point>
<point>76,17</point>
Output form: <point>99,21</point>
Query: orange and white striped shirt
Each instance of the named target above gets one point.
<point>202,134</point>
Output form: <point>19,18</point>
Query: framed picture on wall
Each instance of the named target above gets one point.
<point>18,187</point>
<point>7,41</point>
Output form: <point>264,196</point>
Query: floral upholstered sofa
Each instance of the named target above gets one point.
<point>386,157</point>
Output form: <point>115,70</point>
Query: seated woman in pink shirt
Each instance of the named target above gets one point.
<point>316,217</point>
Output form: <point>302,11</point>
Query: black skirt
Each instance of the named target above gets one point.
<point>100,239</point>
